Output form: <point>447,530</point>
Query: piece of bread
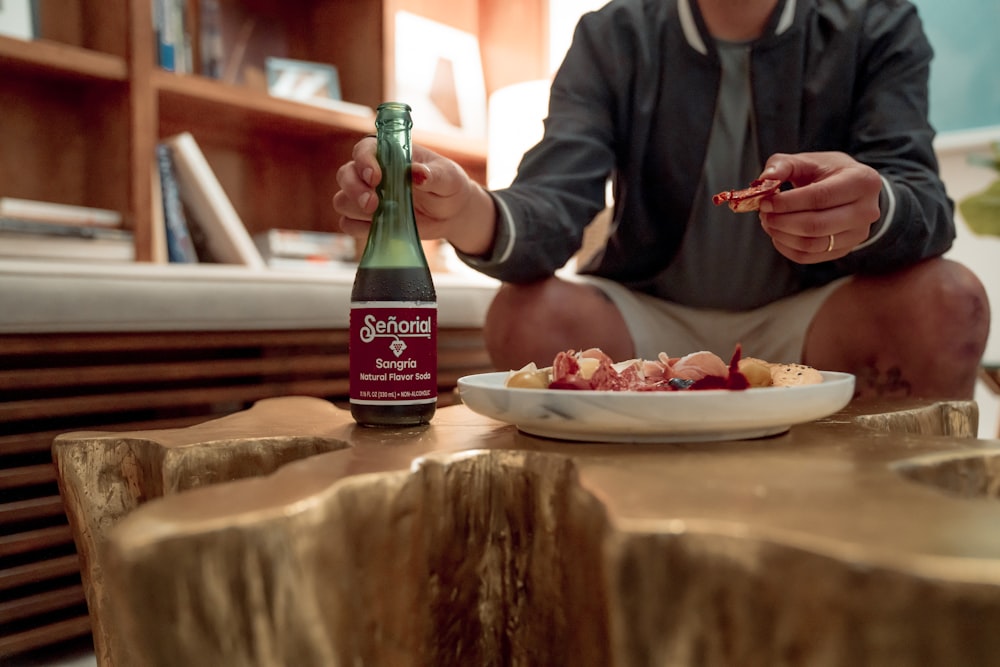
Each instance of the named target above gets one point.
<point>793,375</point>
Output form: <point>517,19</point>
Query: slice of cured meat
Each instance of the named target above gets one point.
<point>748,199</point>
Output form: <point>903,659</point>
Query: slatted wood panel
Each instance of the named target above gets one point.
<point>54,383</point>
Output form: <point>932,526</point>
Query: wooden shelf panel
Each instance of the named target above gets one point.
<point>31,509</point>
<point>20,642</point>
<point>194,97</point>
<point>60,61</point>
<point>36,571</point>
<point>87,344</point>
<point>41,603</point>
<point>35,540</point>
<point>169,371</point>
<point>29,475</point>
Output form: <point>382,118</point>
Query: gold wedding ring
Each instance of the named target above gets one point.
<point>829,246</point>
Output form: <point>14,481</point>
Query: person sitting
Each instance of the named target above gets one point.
<point>673,101</point>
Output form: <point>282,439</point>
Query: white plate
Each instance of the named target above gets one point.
<point>667,416</point>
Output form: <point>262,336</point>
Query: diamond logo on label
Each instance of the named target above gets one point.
<point>397,346</point>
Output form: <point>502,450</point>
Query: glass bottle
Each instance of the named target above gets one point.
<point>393,331</point>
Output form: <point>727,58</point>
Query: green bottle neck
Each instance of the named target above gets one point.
<point>393,240</point>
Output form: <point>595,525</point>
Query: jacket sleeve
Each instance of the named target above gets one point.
<point>561,182</point>
<point>892,134</point>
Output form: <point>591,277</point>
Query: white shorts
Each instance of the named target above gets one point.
<point>775,332</point>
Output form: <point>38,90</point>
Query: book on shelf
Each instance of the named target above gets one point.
<point>180,244</point>
<point>210,39</point>
<point>64,214</point>
<point>41,240</point>
<point>158,228</point>
<point>19,18</point>
<point>352,108</point>
<point>309,264</point>
<point>210,212</point>
<point>314,246</point>
<point>163,35</point>
<point>48,229</point>
<point>172,36</point>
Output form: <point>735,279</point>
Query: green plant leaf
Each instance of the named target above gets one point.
<point>982,211</point>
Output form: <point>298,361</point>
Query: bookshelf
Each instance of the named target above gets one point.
<point>85,103</point>
<point>83,107</point>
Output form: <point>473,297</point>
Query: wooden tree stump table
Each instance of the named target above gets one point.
<point>868,538</point>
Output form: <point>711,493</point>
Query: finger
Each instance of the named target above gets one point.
<point>819,196</point>
<point>355,197</point>
<point>805,245</point>
<point>812,250</point>
<point>834,204</point>
<point>818,254</point>
<point>801,168</point>
<point>835,189</point>
<point>438,176</point>
<point>420,173</point>
<point>805,223</point>
<point>778,166</point>
<point>365,161</point>
<point>439,189</point>
<point>355,227</point>
<point>829,185</point>
<point>360,206</point>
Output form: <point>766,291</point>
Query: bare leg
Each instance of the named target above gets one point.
<point>535,321</point>
<point>919,332</point>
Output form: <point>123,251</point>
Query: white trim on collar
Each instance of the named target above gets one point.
<point>690,28</point>
<point>694,39</point>
<point>787,17</point>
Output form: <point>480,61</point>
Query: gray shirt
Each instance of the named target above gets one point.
<point>716,236</point>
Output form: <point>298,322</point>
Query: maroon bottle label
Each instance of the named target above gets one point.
<point>393,353</point>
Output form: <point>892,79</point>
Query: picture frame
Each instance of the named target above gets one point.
<point>302,80</point>
<point>19,19</point>
<point>439,73</point>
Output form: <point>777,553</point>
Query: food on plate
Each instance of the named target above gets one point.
<point>748,199</point>
<point>792,375</point>
<point>530,377</point>
<point>756,371</point>
<point>762,373</point>
<point>594,370</point>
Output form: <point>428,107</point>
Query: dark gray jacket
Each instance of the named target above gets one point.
<point>634,100</point>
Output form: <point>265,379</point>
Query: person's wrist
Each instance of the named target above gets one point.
<point>474,225</point>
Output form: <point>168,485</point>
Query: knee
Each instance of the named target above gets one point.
<point>961,297</point>
<point>928,323</point>
<point>533,322</point>
<point>515,324</point>
<point>956,307</point>
<point>501,316</point>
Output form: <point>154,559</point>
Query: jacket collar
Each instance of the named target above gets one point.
<point>694,36</point>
